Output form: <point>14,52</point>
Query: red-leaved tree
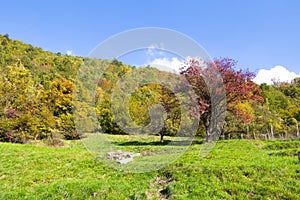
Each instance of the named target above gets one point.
<point>219,88</point>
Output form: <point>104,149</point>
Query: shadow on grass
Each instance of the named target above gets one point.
<point>158,143</point>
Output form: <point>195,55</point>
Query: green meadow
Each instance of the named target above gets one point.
<point>233,169</point>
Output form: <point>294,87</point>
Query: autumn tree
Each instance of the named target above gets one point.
<point>18,104</point>
<point>172,107</point>
<point>238,87</point>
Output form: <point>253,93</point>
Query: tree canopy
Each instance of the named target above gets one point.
<point>37,89</point>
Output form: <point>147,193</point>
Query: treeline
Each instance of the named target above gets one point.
<point>277,117</point>
<point>37,89</point>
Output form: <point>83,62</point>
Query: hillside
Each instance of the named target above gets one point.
<point>37,89</point>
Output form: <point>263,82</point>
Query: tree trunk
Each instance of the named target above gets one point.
<point>213,130</point>
<point>161,137</point>
<point>297,126</point>
<point>162,133</point>
<point>222,134</point>
<point>248,131</point>
<point>272,131</point>
<point>209,135</point>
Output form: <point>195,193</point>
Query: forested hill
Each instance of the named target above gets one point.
<point>36,89</point>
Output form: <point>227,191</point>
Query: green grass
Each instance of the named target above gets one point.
<point>236,169</point>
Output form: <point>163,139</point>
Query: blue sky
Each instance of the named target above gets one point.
<point>258,34</point>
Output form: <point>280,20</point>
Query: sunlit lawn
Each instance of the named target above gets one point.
<point>239,169</point>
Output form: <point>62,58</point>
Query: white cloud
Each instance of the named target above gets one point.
<point>155,49</point>
<point>167,64</point>
<point>69,52</point>
<point>278,73</point>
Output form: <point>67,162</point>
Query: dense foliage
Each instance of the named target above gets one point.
<point>233,89</point>
<point>36,92</point>
<point>37,87</point>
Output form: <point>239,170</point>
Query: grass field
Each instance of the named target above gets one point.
<point>236,169</point>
